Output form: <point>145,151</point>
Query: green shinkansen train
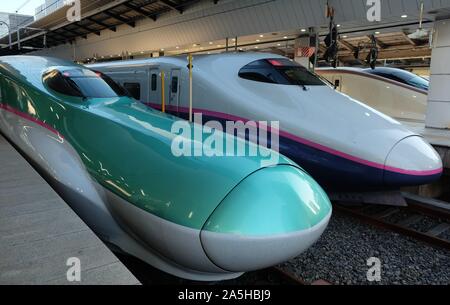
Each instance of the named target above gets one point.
<point>110,158</point>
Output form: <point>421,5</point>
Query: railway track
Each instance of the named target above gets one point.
<point>287,277</point>
<point>292,279</point>
<point>423,219</point>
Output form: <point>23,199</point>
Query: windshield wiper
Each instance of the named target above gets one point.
<point>303,86</point>
<point>76,87</point>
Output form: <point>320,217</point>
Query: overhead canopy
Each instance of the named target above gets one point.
<point>54,29</point>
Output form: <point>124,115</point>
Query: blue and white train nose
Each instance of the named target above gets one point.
<point>412,161</point>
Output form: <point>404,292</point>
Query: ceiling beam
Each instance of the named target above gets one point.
<point>140,11</point>
<point>120,18</point>
<point>87,29</point>
<point>392,54</point>
<point>171,5</point>
<point>380,45</point>
<point>322,48</point>
<point>100,23</point>
<point>54,35</point>
<point>65,34</point>
<point>409,40</point>
<point>347,45</point>
<point>76,34</point>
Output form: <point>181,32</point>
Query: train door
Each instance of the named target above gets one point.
<point>337,82</point>
<point>155,87</point>
<point>175,88</point>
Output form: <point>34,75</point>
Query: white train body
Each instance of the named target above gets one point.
<point>393,98</point>
<point>344,144</point>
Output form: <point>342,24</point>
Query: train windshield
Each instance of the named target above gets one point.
<point>83,83</point>
<point>401,76</point>
<point>280,71</point>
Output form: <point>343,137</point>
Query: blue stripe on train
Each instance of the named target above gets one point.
<point>335,173</point>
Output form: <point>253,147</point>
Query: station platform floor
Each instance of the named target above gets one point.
<point>39,233</point>
<point>436,137</point>
<point>439,138</point>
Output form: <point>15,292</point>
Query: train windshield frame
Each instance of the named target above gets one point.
<point>83,83</point>
<point>280,71</point>
<point>401,76</point>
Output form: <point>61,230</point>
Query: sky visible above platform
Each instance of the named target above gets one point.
<point>12,6</point>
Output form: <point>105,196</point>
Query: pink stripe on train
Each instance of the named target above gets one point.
<point>28,117</point>
<point>306,142</point>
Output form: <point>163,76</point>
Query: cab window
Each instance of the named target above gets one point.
<point>83,83</point>
<point>279,71</point>
<point>401,76</point>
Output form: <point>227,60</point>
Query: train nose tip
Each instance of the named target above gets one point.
<point>272,216</point>
<point>412,162</point>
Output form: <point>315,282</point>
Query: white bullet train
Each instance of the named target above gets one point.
<point>395,92</point>
<point>345,145</point>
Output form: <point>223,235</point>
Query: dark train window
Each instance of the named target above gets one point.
<point>83,83</point>
<point>134,89</point>
<point>262,76</point>
<point>58,83</point>
<point>2,85</point>
<point>154,82</point>
<point>401,76</point>
<point>174,84</point>
<point>419,82</point>
<point>279,71</point>
<point>115,86</point>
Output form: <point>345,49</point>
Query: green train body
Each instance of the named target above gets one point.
<point>111,159</point>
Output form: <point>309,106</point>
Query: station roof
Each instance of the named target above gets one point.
<point>54,29</point>
<point>394,45</point>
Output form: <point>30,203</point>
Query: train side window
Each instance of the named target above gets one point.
<point>134,89</point>
<point>154,82</point>
<point>391,77</point>
<point>174,84</point>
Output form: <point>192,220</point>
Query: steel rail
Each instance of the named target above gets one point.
<point>441,217</point>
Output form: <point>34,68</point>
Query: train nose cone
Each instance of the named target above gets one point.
<point>272,216</point>
<point>412,162</point>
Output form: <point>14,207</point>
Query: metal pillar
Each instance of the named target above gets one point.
<point>9,33</point>
<point>25,28</point>
<point>302,42</point>
<point>18,39</point>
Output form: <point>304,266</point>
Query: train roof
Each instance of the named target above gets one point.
<point>29,69</point>
<point>32,63</point>
<point>341,69</point>
<point>237,59</point>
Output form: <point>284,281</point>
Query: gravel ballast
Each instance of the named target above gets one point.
<point>340,257</point>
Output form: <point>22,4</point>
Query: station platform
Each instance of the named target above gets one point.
<point>39,233</point>
<point>439,138</point>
